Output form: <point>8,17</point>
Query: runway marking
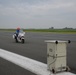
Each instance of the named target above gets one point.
<point>34,66</point>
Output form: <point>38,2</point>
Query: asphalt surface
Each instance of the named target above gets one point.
<point>35,48</point>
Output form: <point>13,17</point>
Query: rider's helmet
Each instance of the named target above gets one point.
<point>18,28</point>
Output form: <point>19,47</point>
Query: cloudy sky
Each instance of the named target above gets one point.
<point>37,13</point>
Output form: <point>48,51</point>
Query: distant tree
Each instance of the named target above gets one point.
<point>67,28</point>
<point>51,28</point>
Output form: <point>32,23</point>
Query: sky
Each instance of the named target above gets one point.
<point>37,14</point>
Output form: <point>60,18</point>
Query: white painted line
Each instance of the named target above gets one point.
<point>34,66</point>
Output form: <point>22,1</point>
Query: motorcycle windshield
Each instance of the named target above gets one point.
<point>21,31</point>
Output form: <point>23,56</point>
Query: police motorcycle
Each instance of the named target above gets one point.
<point>19,37</point>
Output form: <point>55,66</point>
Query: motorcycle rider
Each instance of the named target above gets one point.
<point>17,31</point>
<point>19,35</point>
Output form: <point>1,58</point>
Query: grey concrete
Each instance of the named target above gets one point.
<point>35,47</point>
<point>8,68</point>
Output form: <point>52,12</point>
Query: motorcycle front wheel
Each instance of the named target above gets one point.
<point>16,40</point>
<point>23,41</point>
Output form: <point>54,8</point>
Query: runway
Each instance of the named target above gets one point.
<point>35,48</point>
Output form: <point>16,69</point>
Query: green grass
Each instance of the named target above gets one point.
<point>52,30</point>
<point>45,30</point>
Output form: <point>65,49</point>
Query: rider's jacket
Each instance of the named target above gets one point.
<point>17,31</point>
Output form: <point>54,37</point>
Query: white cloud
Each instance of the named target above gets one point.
<point>37,9</point>
<point>40,13</point>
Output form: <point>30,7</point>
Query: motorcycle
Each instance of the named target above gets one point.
<point>19,37</point>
